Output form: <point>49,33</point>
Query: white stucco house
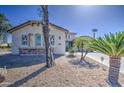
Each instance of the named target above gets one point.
<point>27,38</point>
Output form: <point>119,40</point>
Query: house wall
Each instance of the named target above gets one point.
<point>70,37</point>
<point>16,38</point>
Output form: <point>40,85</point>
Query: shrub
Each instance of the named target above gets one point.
<point>8,46</point>
<point>72,50</point>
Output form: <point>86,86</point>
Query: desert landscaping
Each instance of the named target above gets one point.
<point>41,52</point>
<point>66,73</point>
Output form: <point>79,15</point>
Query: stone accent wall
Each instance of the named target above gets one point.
<point>31,51</point>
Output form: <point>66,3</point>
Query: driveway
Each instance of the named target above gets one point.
<point>14,61</point>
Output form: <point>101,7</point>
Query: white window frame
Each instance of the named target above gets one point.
<point>26,40</point>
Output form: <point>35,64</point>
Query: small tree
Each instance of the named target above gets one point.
<point>4,26</point>
<point>82,43</point>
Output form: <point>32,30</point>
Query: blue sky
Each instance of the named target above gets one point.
<point>79,19</point>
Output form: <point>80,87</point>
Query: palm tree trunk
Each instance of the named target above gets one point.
<point>49,54</point>
<point>114,68</point>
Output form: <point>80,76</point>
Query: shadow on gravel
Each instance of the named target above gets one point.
<point>83,64</point>
<point>114,85</point>
<point>16,61</point>
<point>27,78</point>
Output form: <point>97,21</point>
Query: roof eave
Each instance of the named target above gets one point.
<point>33,21</point>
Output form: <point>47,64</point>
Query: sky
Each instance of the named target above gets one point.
<point>79,19</point>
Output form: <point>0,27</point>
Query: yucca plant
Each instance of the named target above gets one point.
<point>113,46</point>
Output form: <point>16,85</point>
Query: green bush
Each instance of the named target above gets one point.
<point>8,46</point>
<point>72,50</point>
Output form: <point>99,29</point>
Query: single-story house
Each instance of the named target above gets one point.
<point>27,38</point>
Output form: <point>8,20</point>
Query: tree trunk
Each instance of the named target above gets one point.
<point>49,54</point>
<point>82,53</point>
<point>86,52</point>
<point>114,68</point>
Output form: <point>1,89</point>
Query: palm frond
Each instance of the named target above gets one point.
<point>112,44</point>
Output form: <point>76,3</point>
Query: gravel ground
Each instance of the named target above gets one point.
<point>66,73</point>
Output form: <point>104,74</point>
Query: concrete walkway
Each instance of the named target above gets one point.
<point>104,59</point>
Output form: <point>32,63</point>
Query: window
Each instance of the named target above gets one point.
<point>24,39</point>
<point>52,40</point>
<point>59,37</point>
<point>37,40</point>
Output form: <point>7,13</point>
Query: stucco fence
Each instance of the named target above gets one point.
<point>104,59</point>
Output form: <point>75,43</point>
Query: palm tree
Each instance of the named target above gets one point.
<point>94,32</point>
<point>49,54</point>
<point>113,46</point>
